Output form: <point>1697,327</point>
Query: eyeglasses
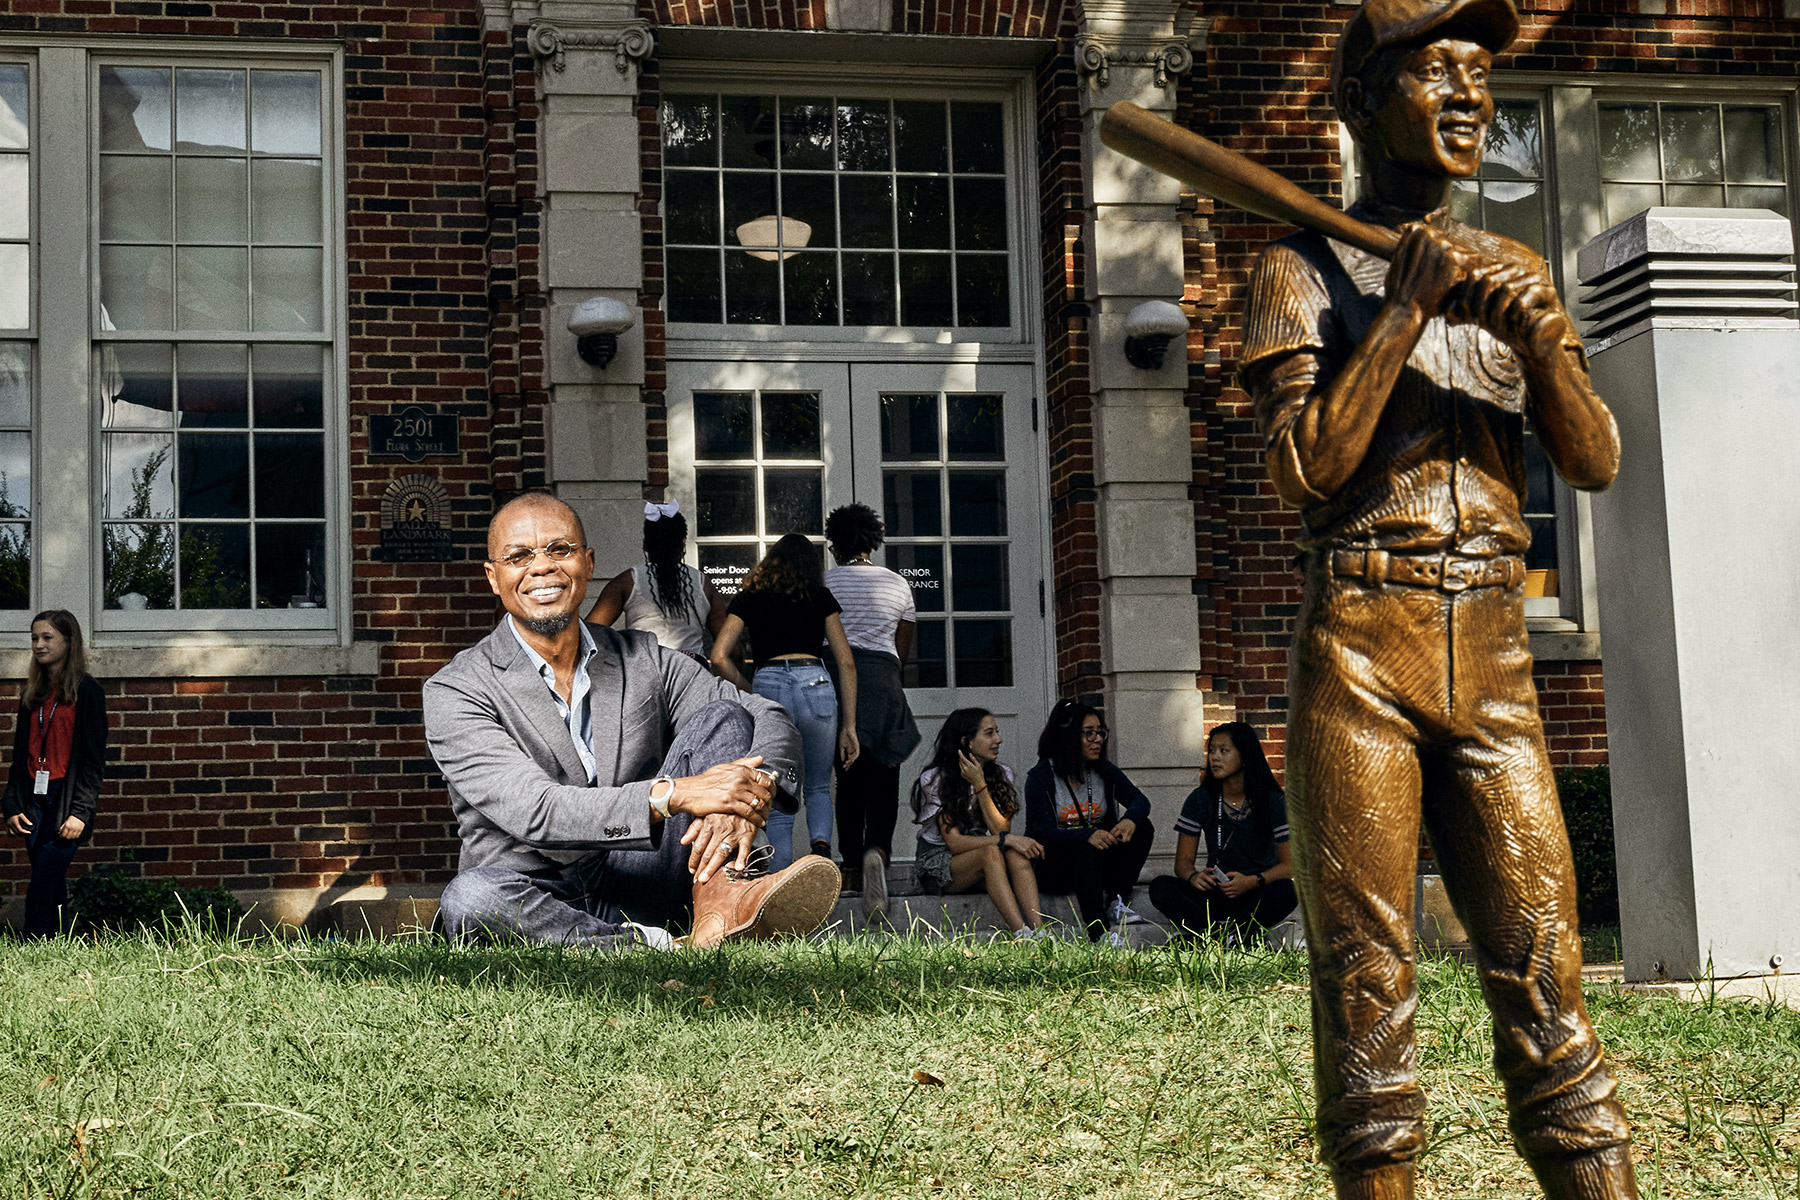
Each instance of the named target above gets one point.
<point>1097,734</point>
<point>524,556</point>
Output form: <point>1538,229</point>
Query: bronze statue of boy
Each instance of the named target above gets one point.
<point>1392,399</point>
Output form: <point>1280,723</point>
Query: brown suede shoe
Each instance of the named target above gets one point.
<point>736,905</point>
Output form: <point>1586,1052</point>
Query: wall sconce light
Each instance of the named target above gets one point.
<point>597,324</point>
<point>773,230</point>
<point>1149,328</point>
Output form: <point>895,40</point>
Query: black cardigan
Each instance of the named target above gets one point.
<point>87,761</point>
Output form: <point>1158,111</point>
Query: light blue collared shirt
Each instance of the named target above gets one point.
<point>576,713</point>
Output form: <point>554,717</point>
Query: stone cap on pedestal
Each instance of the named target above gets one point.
<point>1711,265</point>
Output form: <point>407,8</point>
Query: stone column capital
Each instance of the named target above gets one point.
<point>629,42</point>
<point>1161,36</point>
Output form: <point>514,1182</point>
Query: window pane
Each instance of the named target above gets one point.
<point>694,293</point>
<point>209,110</point>
<point>1465,201</point>
<point>138,384</point>
<point>812,199</point>
<point>927,668</point>
<point>290,566</point>
<point>1628,143</point>
<point>912,504</point>
<point>136,198</point>
<point>1695,195</point>
<point>1758,197</point>
<point>748,131</point>
<point>212,287</point>
<point>976,131</point>
<point>920,136</point>
<point>691,207</point>
<point>869,289</point>
<point>285,200</point>
<point>983,653</point>
<point>793,502</point>
<point>1539,492</point>
<point>812,292</point>
<point>977,503</point>
<point>290,386</point>
<point>214,385</point>
<point>1753,145</point>
<point>752,290</point>
<point>690,126</point>
<point>15,566</point>
<point>134,108</point>
<point>726,566</point>
<point>868,209</point>
<point>863,136</point>
<point>287,293</point>
<point>981,214</point>
<point>290,476</point>
<point>980,578</point>
<point>1625,200</point>
<point>138,561</point>
<point>284,112</point>
<point>724,502</point>
<point>15,474</point>
<point>1515,144</point>
<point>15,286</point>
<point>137,286</point>
<point>211,200</point>
<point>790,424</point>
<point>15,106</point>
<point>924,208</point>
<point>975,428</point>
<point>140,475</point>
<point>15,383</point>
<point>213,475</point>
<point>923,569</point>
<point>806,142</point>
<point>749,195</point>
<point>1542,554</point>
<point>15,196</point>
<point>925,289</point>
<point>722,425</point>
<point>1690,140</point>
<point>981,298</point>
<point>909,428</point>
<point>215,566</point>
<point>1516,210</point>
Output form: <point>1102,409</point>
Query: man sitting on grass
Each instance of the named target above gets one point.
<point>549,733</point>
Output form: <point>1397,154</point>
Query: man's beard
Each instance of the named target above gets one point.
<point>547,626</point>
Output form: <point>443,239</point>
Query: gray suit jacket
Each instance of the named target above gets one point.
<point>516,784</point>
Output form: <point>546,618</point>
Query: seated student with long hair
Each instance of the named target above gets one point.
<point>1241,813</point>
<point>1093,822</point>
<point>964,803</point>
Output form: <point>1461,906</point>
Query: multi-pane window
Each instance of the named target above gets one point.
<point>943,491</point>
<point>821,211</point>
<point>759,475</point>
<point>15,319</point>
<point>1691,155</point>
<point>211,347</point>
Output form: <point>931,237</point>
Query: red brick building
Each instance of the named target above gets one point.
<point>284,296</point>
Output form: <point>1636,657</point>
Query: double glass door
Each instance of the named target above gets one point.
<point>948,456</point>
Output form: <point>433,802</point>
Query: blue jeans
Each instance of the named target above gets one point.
<point>47,894</point>
<point>807,694</point>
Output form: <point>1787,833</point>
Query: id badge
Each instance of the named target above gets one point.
<point>41,785</point>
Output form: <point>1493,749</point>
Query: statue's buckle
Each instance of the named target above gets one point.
<point>1458,574</point>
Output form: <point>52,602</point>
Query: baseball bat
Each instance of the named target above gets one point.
<point>1226,175</point>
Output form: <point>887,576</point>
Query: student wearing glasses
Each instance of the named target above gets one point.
<point>1092,821</point>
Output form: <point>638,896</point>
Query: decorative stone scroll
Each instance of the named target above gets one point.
<point>1097,57</point>
<point>630,44</point>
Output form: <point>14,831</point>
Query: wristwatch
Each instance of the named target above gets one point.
<point>1260,881</point>
<point>660,804</point>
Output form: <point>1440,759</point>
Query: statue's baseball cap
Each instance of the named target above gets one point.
<point>1380,24</point>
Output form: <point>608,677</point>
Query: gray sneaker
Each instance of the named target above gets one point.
<point>874,889</point>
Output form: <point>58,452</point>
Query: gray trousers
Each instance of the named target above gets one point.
<point>588,902</point>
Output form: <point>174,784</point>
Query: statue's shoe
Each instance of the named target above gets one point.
<point>737,905</point>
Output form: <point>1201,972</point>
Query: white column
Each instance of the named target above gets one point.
<point>1150,640</point>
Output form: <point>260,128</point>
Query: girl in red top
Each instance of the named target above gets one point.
<point>58,763</point>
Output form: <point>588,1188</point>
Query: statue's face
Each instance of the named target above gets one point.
<point>1435,115</point>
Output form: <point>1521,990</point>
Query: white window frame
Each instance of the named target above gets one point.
<point>66,516</point>
<point>1010,88</point>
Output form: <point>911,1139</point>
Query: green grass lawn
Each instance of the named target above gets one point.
<point>197,1067</point>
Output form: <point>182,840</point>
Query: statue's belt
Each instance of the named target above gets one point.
<point>1448,572</point>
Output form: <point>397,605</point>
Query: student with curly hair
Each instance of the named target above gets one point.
<point>663,596</point>
<point>879,620</point>
<point>784,606</point>
<point>964,803</point>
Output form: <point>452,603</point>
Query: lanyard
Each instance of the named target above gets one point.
<point>1219,828</point>
<point>43,737</point>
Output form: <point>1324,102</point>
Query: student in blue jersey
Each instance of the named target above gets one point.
<point>1240,814</point>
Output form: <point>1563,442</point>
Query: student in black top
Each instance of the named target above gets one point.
<point>1241,813</point>
<point>1092,822</point>
<point>790,614</point>
<point>58,763</point>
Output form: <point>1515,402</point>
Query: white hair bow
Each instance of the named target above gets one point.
<point>656,512</point>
